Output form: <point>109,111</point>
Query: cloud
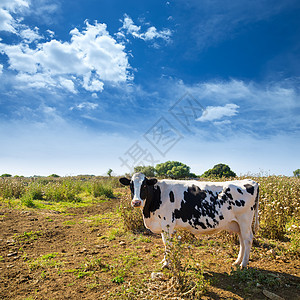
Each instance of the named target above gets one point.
<point>213,113</point>
<point>1,69</point>
<point>28,35</point>
<point>129,28</point>
<point>7,8</point>
<point>68,84</point>
<point>87,105</point>
<point>91,58</point>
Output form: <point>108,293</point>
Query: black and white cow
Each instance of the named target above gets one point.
<point>200,207</point>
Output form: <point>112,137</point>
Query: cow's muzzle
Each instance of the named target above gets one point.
<point>136,203</point>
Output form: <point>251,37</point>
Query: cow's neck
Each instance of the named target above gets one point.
<point>153,200</point>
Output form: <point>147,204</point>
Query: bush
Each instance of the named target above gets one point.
<point>27,200</point>
<point>132,218</point>
<point>35,190</point>
<point>11,188</point>
<point>98,189</point>
<point>62,191</point>
<point>279,204</point>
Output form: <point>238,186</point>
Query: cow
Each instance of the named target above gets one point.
<point>197,206</point>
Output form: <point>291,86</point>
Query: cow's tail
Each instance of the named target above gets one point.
<point>256,221</point>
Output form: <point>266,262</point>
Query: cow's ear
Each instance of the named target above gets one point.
<point>124,181</point>
<point>151,181</point>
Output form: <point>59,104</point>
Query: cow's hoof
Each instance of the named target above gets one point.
<point>236,263</point>
<point>165,266</point>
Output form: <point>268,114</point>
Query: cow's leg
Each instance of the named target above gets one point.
<point>166,238</point>
<point>247,237</point>
<point>242,250</point>
<point>233,226</point>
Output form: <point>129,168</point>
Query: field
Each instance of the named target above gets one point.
<point>78,238</point>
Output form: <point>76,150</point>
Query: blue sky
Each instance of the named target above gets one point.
<point>89,85</point>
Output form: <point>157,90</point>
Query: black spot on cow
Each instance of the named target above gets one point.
<point>208,224</point>
<point>153,200</point>
<point>256,200</point>
<point>238,203</point>
<point>242,202</point>
<point>229,207</point>
<point>249,188</point>
<point>224,197</point>
<point>221,217</point>
<point>227,193</point>
<point>240,191</point>
<point>131,189</point>
<point>159,216</point>
<point>172,197</point>
<point>165,218</point>
<point>196,209</point>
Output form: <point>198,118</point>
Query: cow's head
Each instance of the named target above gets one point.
<point>138,186</point>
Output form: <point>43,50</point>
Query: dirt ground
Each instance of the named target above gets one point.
<point>83,254</point>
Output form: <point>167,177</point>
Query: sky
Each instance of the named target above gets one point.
<point>88,85</point>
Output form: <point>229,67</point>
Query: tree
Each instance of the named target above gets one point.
<point>54,175</point>
<point>148,171</point>
<point>297,173</point>
<point>173,169</point>
<point>5,175</point>
<point>109,172</point>
<point>219,170</point>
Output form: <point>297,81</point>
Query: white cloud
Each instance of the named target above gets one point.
<point>29,35</point>
<point>68,84</point>
<point>51,33</point>
<point>150,34</point>
<point>7,7</point>
<point>87,105</point>
<point>213,113</point>
<point>92,56</point>
<point>1,69</point>
<point>130,27</point>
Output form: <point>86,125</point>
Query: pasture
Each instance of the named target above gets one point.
<point>78,238</point>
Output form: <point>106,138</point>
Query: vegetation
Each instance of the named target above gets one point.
<point>219,171</point>
<point>297,173</point>
<point>109,172</point>
<point>174,170</point>
<point>54,175</point>
<point>148,171</point>
<point>6,175</point>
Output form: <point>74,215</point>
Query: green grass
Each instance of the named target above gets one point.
<point>46,261</point>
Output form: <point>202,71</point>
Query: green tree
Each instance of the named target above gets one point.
<point>219,170</point>
<point>174,170</point>
<point>54,175</point>
<point>5,175</point>
<point>109,172</point>
<point>297,173</point>
<point>148,171</point>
